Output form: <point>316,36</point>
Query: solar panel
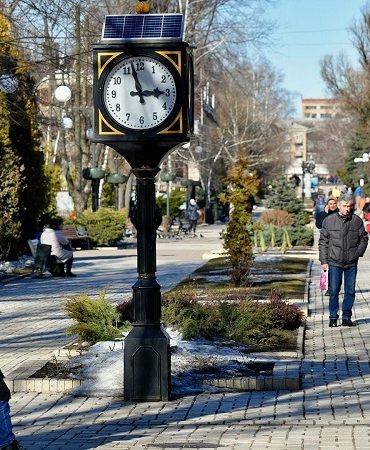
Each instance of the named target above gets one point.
<point>143,26</point>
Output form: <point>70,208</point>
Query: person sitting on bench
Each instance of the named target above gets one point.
<point>60,246</point>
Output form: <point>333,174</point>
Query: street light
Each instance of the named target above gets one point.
<point>307,169</point>
<point>116,179</point>
<point>63,94</point>
<point>167,177</point>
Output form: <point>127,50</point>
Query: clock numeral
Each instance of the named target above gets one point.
<point>153,69</point>
<point>126,70</point>
<point>114,94</point>
<point>167,93</point>
<point>127,116</point>
<point>141,120</point>
<point>164,106</point>
<point>155,117</point>
<point>117,80</point>
<point>118,107</point>
<point>140,65</point>
<point>164,79</point>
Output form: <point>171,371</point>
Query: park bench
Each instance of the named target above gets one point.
<point>76,235</point>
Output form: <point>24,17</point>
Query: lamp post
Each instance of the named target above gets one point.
<point>62,94</point>
<point>116,179</point>
<point>307,169</point>
<point>95,174</point>
<point>167,177</point>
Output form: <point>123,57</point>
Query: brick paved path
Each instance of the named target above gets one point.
<point>331,411</point>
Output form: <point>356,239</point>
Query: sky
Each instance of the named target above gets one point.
<point>307,30</point>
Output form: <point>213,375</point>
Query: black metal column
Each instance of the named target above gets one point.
<point>95,184</point>
<point>147,364</point>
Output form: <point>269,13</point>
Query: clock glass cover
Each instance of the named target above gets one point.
<point>139,93</point>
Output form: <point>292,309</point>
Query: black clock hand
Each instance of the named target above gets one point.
<point>155,93</point>
<point>137,85</point>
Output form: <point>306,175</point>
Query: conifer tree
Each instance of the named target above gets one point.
<point>24,184</point>
<point>242,187</point>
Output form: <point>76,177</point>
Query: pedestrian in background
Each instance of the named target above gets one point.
<point>330,208</point>
<point>342,241</point>
<point>60,246</point>
<point>7,438</point>
<point>193,213</point>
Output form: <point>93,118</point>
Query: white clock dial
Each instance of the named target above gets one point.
<point>139,93</point>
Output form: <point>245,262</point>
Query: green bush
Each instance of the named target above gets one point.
<point>178,305</point>
<point>301,236</point>
<point>283,314</point>
<point>96,320</point>
<point>242,186</point>
<point>255,324</point>
<point>104,226</point>
<point>177,198</point>
<point>275,236</point>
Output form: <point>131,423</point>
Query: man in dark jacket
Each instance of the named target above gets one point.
<point>7,438</point>
<point>342,241</point>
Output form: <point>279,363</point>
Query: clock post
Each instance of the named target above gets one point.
<point>143,108</point>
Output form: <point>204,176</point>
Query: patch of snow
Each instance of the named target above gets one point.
<point>191,363</point>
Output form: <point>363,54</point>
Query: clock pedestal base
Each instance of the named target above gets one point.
<point>147,366</point>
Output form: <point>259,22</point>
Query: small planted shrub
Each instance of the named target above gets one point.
<point>178,305</point>
<point>125,311</point>
<point>257,324</point>
<point>96,319</point>
<point>283,314</point>
<point>277,217</point>
<point>104,226</point>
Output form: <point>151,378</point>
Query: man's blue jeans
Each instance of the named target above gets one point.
<point>6,433</point>
<point>336,274</point>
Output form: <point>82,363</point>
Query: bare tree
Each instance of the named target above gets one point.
<point>57,34</point>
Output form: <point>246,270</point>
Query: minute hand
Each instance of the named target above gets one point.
<point>137,84</point>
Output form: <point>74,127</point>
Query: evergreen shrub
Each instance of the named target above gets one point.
<point>96,319</point>
<point>177,198</point>
<point>242,187</point>
<point>104,226</point>
<point>283,197</point>
<point>253,323</point>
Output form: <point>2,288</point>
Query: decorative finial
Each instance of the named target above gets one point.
<point>142,7</point>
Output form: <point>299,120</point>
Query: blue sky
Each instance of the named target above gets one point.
<point>307,31</point>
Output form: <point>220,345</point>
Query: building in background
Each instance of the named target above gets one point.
<point>319,108</point>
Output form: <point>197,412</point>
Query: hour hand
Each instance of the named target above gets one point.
<point>156,93</point>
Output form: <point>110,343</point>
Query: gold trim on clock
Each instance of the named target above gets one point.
<point>171,129</point>
<point>167,55</point>
<point>104,124</point>
<point>102,65</point>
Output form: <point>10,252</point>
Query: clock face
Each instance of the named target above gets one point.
<point>139,93</point>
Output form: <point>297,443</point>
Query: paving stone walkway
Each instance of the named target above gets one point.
<point>331,410</point>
